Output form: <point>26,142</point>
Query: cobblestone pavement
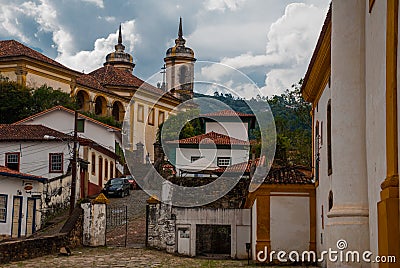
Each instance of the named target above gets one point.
<point>124,257</point>
<point>136,203</point>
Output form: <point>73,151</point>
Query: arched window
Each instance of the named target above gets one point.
<point>82,98</point>
<point>100,106</point>
<point>329,137</point>
<point>105,169</point>
<point>93,163</point>
<point>117,111</point>
<point>111,169</point>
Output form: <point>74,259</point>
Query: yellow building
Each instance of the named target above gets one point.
<point>352,83</point>
<point>108,90</point>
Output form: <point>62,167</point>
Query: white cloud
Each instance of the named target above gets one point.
<point>90,60</point>
<point>290,42</point>
<point>98,3</point>
<point>222,5</point>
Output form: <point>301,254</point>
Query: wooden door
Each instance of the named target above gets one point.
<point>17,217</point>
<point>30,216</point>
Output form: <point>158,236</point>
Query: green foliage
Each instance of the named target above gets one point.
<point>18,102</point>
<point>108,120</point>
<point>292,121</point>
<point>169,129</point>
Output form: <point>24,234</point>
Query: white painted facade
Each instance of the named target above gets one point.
<point>290,223</point>
<point>236,129</point>
<point>14,187</point>
<point>184,155</point>
<point>63,121</point>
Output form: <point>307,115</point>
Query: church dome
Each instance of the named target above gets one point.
<point>119,58</point>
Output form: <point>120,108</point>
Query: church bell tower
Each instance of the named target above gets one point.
<point>179,62</point>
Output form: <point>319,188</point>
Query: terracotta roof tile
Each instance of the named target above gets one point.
<point>210,138</point>
<point>12,48</point>
<point>29,132</point>
<point>112,76</point>
<point>5,171</point>
<point>227,113</point>
<point>289,175</point>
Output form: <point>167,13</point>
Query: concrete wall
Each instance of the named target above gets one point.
<point>94,224</point>
<point>238,219</point>
<point>290,223</point>
<point>238,130</point>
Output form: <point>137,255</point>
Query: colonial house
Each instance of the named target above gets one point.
<point>225,143</point>
<point>20,203</point>
<point>352,83</point>
<point>106,138</point>
<point>43,153</point>
<point>108,90</point>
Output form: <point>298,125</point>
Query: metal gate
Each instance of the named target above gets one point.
<point>116,225</point>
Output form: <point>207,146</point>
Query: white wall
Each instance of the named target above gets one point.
<point>34,155</point>
<point>232,217</point>
<point>9,186</point>
<point>290,223</point>
<point>375,111</point>
<point>63,121</point>
<point>324,184</point>
<point>183,155</point>
<point>238,130</point>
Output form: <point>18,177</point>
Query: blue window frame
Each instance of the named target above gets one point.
<point>3,207</point>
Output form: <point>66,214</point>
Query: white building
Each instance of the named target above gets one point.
<point>225,143</point>
<point>20,203</point>
<point>352,83</point>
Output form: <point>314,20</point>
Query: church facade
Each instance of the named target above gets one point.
<point>108,90</point>
<point>352,83</point>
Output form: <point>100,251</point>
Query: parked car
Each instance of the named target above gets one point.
<point>117,186</point>
<point>132,181</point>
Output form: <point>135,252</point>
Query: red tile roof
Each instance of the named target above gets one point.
<point>243,167</point>
<point>29,132</point>
<point>67,110</point>
<point>5,171</point>
<point>210,138</point>
<point>114,76</point>
<point>12,48</point>
<point>289,175</point>
<point>227,113</point>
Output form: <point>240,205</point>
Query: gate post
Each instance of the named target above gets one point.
<point>94,222</point>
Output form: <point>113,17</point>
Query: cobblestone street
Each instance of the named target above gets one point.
<point>136,203</point>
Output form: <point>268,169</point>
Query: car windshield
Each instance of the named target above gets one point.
<point>116,181</point>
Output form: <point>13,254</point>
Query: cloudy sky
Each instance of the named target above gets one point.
<point>270,41</point>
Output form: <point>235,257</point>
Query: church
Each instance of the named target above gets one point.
<point>352,84</point>
<point>113,89</point>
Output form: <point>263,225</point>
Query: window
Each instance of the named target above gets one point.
<point>328,129</point>
<point>161,117</point>
<point>151,117</point>
<point>12,161</point>
<point>194,158</point>
<point>93,163</point>
<point>56,163</point>
<point>111,169</point>
<point>3,208</point>
<point>223,161</point>
<point>80,126</point>
<point>140,114</point>
<point>105,168</point>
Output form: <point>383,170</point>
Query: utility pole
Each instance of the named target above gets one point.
<point>74,166</point>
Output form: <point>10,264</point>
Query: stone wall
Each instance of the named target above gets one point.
<point>70,235</point>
